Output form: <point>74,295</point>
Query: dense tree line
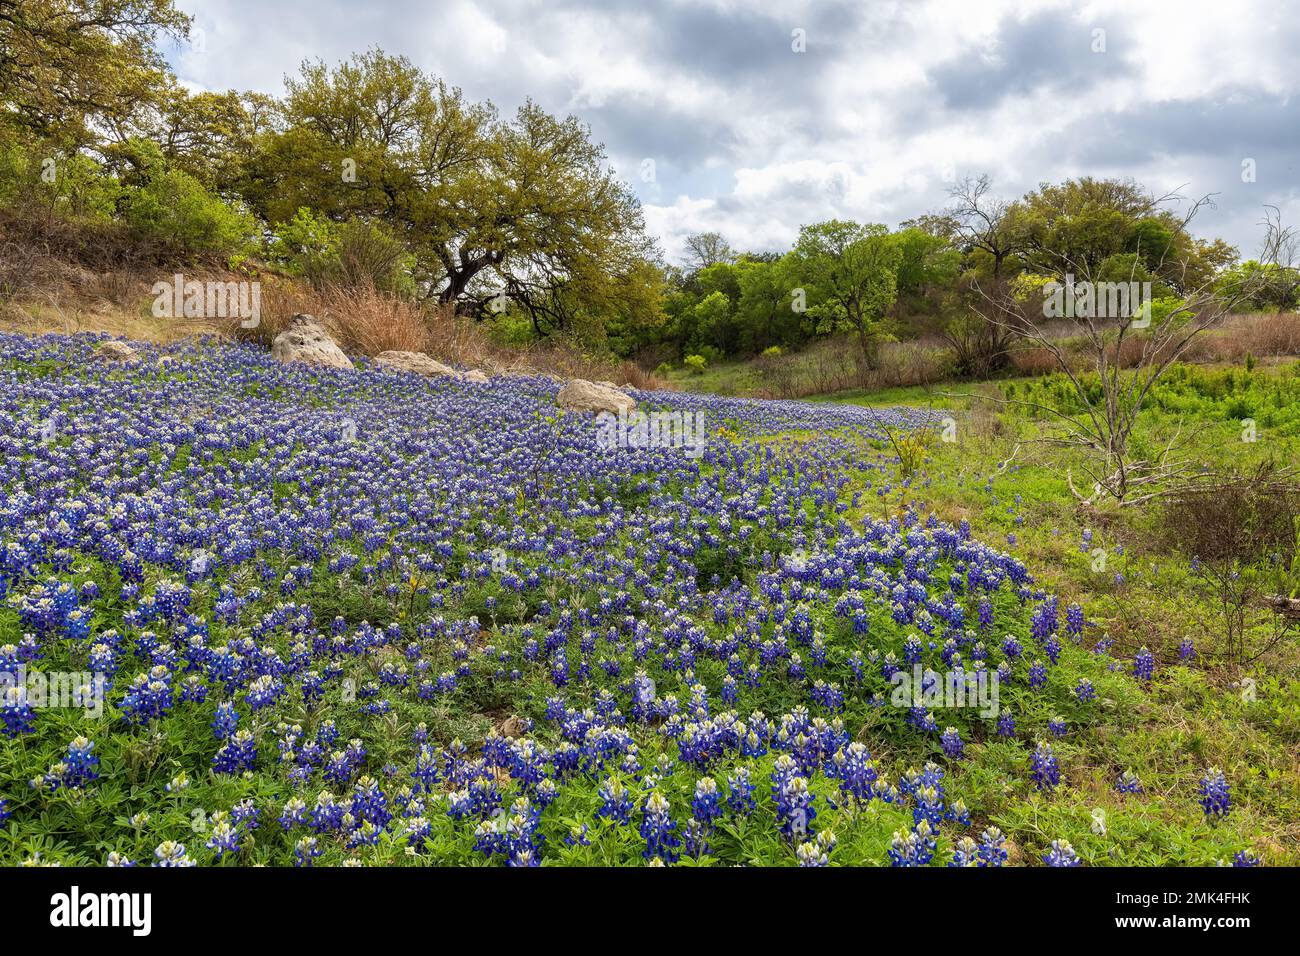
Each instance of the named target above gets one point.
<point>372,171</point>
<point>366,170</point>
<point>936,274</point>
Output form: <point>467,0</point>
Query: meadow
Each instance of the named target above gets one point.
<point>367,618</point>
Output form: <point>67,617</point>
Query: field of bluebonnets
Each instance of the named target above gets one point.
<point>362,617</point>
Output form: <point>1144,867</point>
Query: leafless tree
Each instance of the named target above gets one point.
<point>704,249</point>
<point>979,220</point>
<point>983,221</point>
<point>1127,351</point>
<point>1281,249</point>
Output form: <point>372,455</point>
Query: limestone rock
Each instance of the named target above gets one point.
<point>416,362</point>
<point>475,375</point>
<point>306,341</point>
<point>112,351</point>
<point>579,395</point>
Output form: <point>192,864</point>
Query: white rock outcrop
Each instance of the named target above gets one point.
<point>579,395</point>
<point>113,351</point>
<point>307,341</point>
<point>416,362</point>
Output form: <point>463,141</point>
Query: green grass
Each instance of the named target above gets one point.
<point>1192,716</point>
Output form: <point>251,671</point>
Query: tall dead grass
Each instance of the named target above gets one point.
<point>361,319</point>
<point>837,364</point>
<point>1230,341</point>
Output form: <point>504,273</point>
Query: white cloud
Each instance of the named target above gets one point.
<point>751,139</point>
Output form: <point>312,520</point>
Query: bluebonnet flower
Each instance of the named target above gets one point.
<point>1144,664</point>
<point>1127,782</point>
<point>1244,858</point>
<point>794,808</point>
<point>1215,799</point>
<point>952,743</point>
<point>740,792</point>
<point>816,853</point>
<point>15,711</point>
<point>224,838</point>
<point>238,754</point>
<point>1061,854</point>
<point>1047,775</point>
<point>856,771</point>
<point>78,767</point>
<point>657,828</point>
<point>1084,690</point>
<point>914,847</point>
<point>169,854</point>
<point>294,813</point>
<point>1074,622</point>
<point>929,806</point>
<point>992,849</point>
<point>965,853</point>
<point>226,721</point>
<point>305,851</point>
<point>617,803</point>
<point>704,805</point>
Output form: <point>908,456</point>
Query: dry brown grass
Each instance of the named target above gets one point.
<point>362,319</point>
<point>837,364</point>
<point>1230,341</point>
<point>1257,335</point>
<point>1034,360</point>
<point>55,315</point>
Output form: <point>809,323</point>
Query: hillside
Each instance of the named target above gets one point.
<point>361,615</point>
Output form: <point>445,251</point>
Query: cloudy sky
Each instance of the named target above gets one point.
<point>718,121</point>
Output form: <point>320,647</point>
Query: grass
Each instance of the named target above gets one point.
<point>1139,595</point>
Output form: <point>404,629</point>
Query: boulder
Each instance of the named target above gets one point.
<point>580,395</point>
<point>475,375</point>
<point>306,341</point>
<point>416,362</point>
<point>112,351</point>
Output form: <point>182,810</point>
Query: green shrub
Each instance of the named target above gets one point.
<point>70,186</point>
<point>353,254</point>
<point>173,207</point>
<point>773,351</point>
<point>695,363</point>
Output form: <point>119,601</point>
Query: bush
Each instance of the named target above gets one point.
<point>695,363</point>
<point>773,351</point>
<point>356,254</point>
<point>174,208</point>
<point>72,187</point>
<point>1240,534</point>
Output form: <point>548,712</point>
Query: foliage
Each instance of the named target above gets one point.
<point>172,206</point>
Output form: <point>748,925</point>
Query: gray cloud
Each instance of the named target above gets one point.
<point>1050,51</point>
<point>752,139</point>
